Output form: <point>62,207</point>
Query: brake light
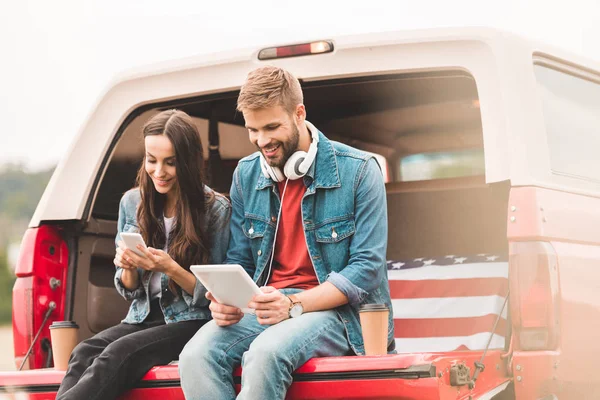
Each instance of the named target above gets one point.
<point>534,295</point>
<point>320,47</point>
<point>41,270</point>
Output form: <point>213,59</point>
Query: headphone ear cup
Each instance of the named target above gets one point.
<point>292,166</point>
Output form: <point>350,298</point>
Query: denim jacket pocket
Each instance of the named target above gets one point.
<point>254,227</point>
<point>332,240</point>
<point>336,231</point>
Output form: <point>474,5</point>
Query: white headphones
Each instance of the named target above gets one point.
<point>298,163</point>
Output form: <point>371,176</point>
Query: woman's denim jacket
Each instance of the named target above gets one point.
<point>175,308</point>
<point>345,225</point>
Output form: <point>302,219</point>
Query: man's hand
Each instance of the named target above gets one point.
<point>222,314</point>
<point>271,307</point>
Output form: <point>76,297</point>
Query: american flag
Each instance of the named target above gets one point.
<point>448,303</point>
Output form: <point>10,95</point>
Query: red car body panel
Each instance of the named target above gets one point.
<point>43,256</point>
<point>378,377</point>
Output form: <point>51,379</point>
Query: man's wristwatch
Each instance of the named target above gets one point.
<point>296,308</point>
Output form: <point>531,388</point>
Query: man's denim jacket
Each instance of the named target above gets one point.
<point>345,225</point>
<point>179,308</point>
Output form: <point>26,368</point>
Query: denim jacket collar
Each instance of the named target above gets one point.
<point>325,161</point>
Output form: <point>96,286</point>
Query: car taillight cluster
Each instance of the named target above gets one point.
<point>41,267</point>
<point>534,295</point>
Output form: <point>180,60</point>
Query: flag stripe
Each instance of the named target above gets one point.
<point>457,271</point>
<point>448,307</point>
<point>403,289</point>
<point>443,327</point>
<point>435,344</point>
<point>448,303</point>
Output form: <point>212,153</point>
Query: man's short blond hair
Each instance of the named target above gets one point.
<point>270,86</point>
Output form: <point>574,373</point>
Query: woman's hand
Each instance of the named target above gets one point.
<point>159,261</point>
<point>153,260</point>
<point>129,276</point>
<point>121,260</point>
<point>222,314</point>
<point>271,307</point>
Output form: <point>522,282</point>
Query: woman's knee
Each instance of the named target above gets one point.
<point>133,350</point>
<point>91,347</point>
<point>79,350</point>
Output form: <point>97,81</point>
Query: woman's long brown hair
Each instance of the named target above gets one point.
<point>188,243</point>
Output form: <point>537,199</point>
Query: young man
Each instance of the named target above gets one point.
<point>318,208</point>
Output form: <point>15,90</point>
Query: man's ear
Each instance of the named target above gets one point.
<point>300,113</point>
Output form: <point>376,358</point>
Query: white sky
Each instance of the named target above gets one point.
<point>56,57</point>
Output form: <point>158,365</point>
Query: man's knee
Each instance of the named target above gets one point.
<point>264,354</point>
<point>197,352</point>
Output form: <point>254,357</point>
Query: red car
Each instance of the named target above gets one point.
<point>489,147</point>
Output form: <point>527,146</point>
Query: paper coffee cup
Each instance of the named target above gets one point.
<point>64,338</point>
<point>374,323</point>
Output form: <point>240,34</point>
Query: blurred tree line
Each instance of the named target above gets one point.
<point>20,192</point>
<point>7,280</point>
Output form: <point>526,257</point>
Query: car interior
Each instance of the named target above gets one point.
<point>424,128</point>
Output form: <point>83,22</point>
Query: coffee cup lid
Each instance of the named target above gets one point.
<point>64,324</point>
<point>373,307</point>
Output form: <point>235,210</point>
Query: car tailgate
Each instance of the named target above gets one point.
<point>401,376</point>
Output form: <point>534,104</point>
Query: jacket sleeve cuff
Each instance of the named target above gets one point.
<point>129,295</point>
<point>354,294</point>
<point>199,299</point>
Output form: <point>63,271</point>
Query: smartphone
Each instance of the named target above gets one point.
<point>131,240</point>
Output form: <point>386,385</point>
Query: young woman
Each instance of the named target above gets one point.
<point>183,222</point>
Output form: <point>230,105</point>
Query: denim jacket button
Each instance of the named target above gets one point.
<point>273,218</point>
<point>259,252</point>
<point>251,231</point>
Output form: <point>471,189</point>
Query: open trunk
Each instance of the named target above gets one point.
<point>447,244</point>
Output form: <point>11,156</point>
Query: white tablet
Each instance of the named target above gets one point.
<point>230,284</point>
<point>131,240</point>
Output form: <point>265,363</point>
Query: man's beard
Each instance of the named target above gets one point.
<point>289,147</point>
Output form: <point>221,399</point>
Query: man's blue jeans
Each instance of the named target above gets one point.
<point>268,355</point>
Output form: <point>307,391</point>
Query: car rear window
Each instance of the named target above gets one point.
<point>419,126</point>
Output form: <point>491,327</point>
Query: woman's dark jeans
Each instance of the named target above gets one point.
<point>115,359</point>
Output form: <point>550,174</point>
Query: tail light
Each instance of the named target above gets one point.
<point>41,272</point>
<point>534,295</point>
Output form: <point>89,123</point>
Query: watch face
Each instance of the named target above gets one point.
<point>296,310</point>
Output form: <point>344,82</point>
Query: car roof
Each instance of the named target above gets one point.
<point>80,170</point>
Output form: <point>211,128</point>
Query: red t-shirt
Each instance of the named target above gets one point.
<point>292,266</point>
